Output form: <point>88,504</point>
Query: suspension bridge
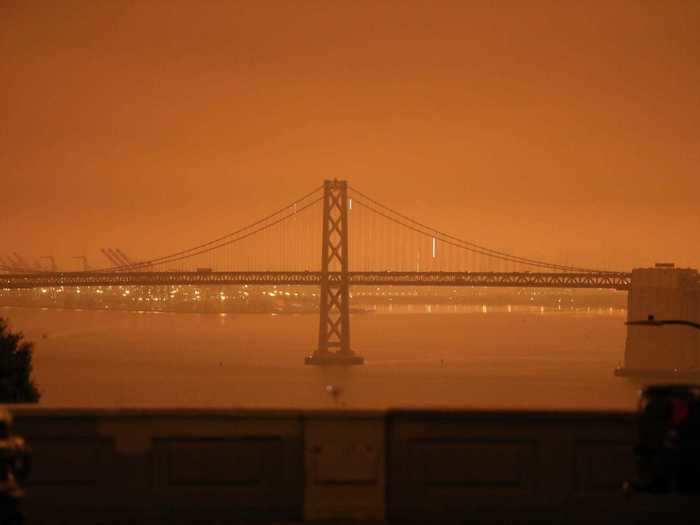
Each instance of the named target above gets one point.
<point>388,248</point>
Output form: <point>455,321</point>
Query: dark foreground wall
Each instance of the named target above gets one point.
<point>211,466</point>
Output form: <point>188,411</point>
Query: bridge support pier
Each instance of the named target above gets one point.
<point>654,349</point>
<point>334,326</point>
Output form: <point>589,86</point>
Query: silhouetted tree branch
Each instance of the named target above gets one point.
<point>16,383</point>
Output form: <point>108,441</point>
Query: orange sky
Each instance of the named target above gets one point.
<point>550,129</point>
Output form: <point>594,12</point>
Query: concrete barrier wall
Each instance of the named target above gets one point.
<point>476,465</point>
<point>225,466</point>
<point>120,466</point>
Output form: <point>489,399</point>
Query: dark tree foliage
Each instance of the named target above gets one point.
<point>16,384</point>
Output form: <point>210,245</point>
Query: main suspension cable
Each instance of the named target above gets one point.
<point>242,237</point>
<point>461,243</point>
<point>187,253</point>
<point>450,242</point>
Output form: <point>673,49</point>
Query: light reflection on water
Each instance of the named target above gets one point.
<point>456,356</point>
<point>397,308</point>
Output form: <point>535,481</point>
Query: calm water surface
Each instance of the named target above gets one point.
<point>417,356</point>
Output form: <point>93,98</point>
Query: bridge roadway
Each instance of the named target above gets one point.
<point>617,281</point>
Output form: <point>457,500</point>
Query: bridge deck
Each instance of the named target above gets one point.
<point>617,281</point>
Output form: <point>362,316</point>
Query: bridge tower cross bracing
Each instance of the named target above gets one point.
<point>334,322</point>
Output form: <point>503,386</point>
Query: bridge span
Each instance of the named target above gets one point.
<point>388,239</point>
<point>617,281</point>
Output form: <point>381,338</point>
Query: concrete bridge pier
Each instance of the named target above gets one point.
<point>654,349</point>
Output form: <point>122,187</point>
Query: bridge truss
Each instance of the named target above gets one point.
<point>613,281</point>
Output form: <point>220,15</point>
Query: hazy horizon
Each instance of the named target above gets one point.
<point>564,131</point>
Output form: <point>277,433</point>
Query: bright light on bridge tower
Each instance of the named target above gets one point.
<point>334,327</point>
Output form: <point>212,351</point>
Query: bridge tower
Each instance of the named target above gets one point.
<point>334,326</point>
